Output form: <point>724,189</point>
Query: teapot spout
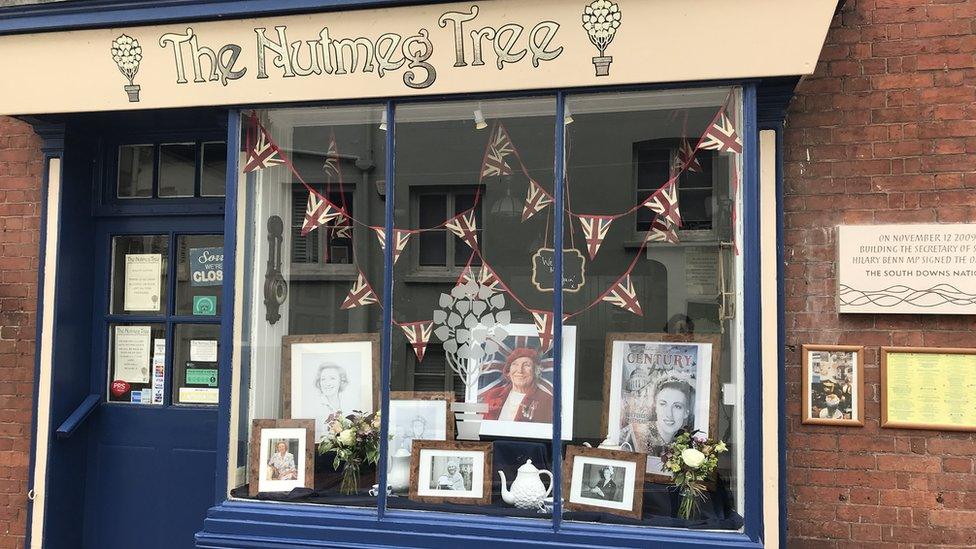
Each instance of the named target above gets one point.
<point>507,496</point>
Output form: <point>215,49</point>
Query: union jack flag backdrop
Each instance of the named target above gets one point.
<point>622,294</point>
<point>499,148</point>
<point>535,201</point>
<point>360,294</point>
<point>595,229</point>
<point>464,227</point>
<point>722,137</point>
<point>263,153</point>
<point>664,202</point>
<point>418,334</point>
<point>494,364</point>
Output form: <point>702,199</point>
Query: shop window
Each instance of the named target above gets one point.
<point>171,170</point>
<point>650,344</point>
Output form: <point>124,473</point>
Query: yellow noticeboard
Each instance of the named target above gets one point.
<point>928,388</point>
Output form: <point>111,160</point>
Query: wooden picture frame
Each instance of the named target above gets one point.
<point>425,463</point>
<point>614,382</point>
<point>813,414</point>
<point>341,345</point>
<point>446,396</point>
<point>257,458</point>
<point>924,376</point>
<point>575,476</point>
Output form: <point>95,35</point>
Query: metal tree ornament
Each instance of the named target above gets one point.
<point>601,18</point>
<point>127,53</point>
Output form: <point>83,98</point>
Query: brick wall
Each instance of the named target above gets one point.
<point>20,193</point>
<point>884,132</point>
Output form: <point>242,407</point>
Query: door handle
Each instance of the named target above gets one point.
<point>77,417</point>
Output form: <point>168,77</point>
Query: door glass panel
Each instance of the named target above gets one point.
<point>139,284</point>
<point>195,373</point>
<point>135,171</point>
<point>177,169</point>
<point>199,275</point>
<point>213,169</point>
<point>136,363</point>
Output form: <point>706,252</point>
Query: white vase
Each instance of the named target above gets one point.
<point>398,478</point>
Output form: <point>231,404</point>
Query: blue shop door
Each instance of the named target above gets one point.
<point>151,453</point>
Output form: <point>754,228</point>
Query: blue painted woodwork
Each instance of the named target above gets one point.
<point>559,168</point>
<point>78,417</point>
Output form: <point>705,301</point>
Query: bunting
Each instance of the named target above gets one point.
<point>343,227</point>
<point>664,202</point>
<point>486,277</point>
<point>622,294</point>
<point>418,334</point>
<point>661,231</point>
<point>401,236</point>
<point>263,154</point>
<point>721,136</point>
<point>687,158</point>
<point>463,226</point>
<point>331,165</point>
<point>499,147</point>
<point>536,199</point>
<point>544,325</point>
<point>360,294</point>
<point>319,210</point>
<point>595,229</point>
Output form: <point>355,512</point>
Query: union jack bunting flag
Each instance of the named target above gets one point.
<point>722,137</point>
<point>319,211</point>
<point>343,227</point>
<point>499,147</point>
<point>463,226</point>
<point>622,294</point>
<point>486,277</point>
<point>263,154</point>
<point>664,202</point>
<point>418,334</point>
<point>595,229</point>
<point>536,199</point>
<point>360,294</point>
<point>662,231</point>
<point>544,325</point>
<point>401,236</point>
<point>686,157</point>
<point>493,366</point>
<point>331,165</point>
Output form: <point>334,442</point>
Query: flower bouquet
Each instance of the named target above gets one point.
<point>355,439</point>
<point>691,458</point>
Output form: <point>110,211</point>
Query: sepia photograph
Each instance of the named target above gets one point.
<point>832,380</point>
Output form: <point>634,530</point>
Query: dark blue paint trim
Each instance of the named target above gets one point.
<point>386,336</point>
<point>224,385</point>
<point>81,413</point>
<point>781,334</point>
<point>109,13</point>
<point>53,147</point>
<point>557,312</point>
<point>752,320</point>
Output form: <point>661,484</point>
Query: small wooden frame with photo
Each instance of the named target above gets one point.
<point>847,361</point>
<point>581,494</point>
<point>471,481</point>
<point>299,436</point>
<point>431,396</point>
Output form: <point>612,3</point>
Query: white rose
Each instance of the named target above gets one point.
<point>692,458</point>
<point>348,438</point>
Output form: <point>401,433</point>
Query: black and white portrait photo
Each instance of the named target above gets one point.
<point>418,416</point>
<point>611,481</point>
<point>604,482</point>
<point>451,473</point>
<point>458,472</point>
<point>329,374</point>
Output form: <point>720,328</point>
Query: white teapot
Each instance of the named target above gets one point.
<point>528,491</point>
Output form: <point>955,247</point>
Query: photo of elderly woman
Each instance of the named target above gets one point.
<point>831,383</point>
<point>522,396</point>
<point>281,464</point>
<point>451,473</point>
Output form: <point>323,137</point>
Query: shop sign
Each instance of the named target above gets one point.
<point>207,266</point>
<point>387,52</point>
<point>910,269</point>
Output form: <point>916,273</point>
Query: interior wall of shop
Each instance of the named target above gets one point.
<point>883,132</point>
<point>21,167</point>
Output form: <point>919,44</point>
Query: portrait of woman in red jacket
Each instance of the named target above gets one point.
<point>520,397</point>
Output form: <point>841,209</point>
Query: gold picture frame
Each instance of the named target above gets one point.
<point>924,376</point>
<point>838,358</point>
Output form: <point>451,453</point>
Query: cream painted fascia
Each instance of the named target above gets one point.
<point>770,338</point>
<point>43,408</point>
<point>742,39</point>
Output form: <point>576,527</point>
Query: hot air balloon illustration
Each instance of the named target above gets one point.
<point>127,53</point>
<point>600,20</point>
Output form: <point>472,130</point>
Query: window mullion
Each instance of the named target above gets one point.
<point>387,325</point>
<point>557,311</point>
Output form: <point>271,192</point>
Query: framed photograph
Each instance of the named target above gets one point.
<point>446,471</point>
<point>656,385</point>
<point>833,381</point>
<point>282,455</point>
<point>329,373</point>
<point>607,481</point>
<point>516,383</point>
<point>928,388</point>
<point>419,416</point>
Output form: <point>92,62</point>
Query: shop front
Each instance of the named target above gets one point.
<point>378,274</point>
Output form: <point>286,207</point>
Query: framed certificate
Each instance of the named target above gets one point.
<point>928,388</point>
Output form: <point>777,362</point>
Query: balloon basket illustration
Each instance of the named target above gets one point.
<point>601,19</point>
<point>127,53</point>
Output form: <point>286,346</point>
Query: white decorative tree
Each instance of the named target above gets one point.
<point>127,53</point>
<point>601,18</point>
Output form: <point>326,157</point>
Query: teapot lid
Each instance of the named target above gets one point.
<point>527,467</point>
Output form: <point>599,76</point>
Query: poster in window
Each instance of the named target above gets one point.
<point>132,346</point>
<point>143,276</point>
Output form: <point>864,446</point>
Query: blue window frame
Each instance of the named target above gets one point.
<point>236,523</point>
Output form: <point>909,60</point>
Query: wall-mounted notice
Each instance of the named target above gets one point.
<point>912,269</point>
<point>928,388</point>
<point>143,273</point>
<point>132,345</point>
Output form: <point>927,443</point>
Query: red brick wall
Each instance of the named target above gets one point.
<point>884,132</point>
<point>21,166</point>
